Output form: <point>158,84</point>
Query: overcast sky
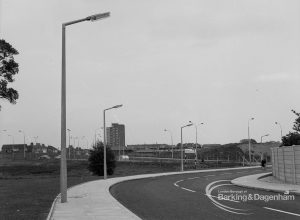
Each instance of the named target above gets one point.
<point>219,62</point>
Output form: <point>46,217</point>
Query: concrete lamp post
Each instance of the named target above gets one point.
<point>277,123</point>
<point>3,131</point>
<point>24,143</point>
<point>13,139</point>
<point>190,124</point>
<point>249,141</point>
<point>261,138</point>
<point>87,142</point>
<point>171,141</point>
<point>69,131</point>
<point>104,139</point>
<point>35,139</point>
<point>95,136</point>
<point>63,163</point>
<point>13,145</point>
<point>196,126</point>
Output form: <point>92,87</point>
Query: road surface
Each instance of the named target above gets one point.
<point>207,195</point>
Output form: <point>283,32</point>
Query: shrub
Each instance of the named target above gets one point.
<point>96,160</point>
<point>293,138</point>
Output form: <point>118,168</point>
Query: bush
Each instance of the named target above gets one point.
<point>96,160</point>
<point>293,138</point>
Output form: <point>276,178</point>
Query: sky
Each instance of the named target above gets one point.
<point>217,62</point>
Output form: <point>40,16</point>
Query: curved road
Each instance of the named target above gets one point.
<point>207,195</point>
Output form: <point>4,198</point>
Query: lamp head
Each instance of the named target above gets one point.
<point>117,106</point>
<point>98,16</point>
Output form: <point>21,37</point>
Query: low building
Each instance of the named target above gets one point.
<point>14,151</point>
<point>28,152</point>
<point>77,153</point>
<point>137,147</point>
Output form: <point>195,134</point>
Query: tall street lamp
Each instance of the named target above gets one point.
<point>95,141</point>
<point>63,163</point>
<point>196,126</point>
<point>35,138</point>
<point>13,139</point>
<point>171,141</point>
<point>13,145</point>
<point>249,142</point>
<point>24,143</point>
<point>261,138</point>
<point>69,131</point>
<point>3,131</point>
<point>87,142</point>
<point>104,138</point>
<point>190,124</point>
<point>277,123</point>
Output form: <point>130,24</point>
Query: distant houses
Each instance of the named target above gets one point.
<point>40,151</point>
<point>28,152</point>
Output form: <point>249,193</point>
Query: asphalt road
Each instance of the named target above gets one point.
<point>207,195</point>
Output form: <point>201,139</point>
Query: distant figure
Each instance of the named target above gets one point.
<point>263,163</point>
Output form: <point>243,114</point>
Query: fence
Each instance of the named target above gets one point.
<point>286,163</point>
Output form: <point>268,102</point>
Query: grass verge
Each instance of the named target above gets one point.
<point>27,190</point>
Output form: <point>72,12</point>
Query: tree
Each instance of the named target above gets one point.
<point>8,69</point>
<point>296,126</point>
<point>293,138</point>
<point>96,160</point>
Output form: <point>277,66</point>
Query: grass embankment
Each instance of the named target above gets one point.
<point>28,189</point>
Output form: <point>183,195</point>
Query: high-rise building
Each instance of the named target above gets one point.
<point>116,135</point>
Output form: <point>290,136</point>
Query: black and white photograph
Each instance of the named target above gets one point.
<point>149,110</point>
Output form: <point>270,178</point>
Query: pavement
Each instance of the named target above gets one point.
<point>265,181</point>
<point>93,200</point>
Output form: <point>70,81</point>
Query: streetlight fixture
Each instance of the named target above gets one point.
<point>13,145</point>
<point>104,138</point>
<point>87,142</point>
<point>13,139</point>
<point>35,138</point>
<point>190,124</point>
<point>24,143</point>
<point>69,131</point>
<point>171,141</point>
<point>196,126</point>
<point>262,137</point>
<point>95,141</point>
<point>3,131</point>
<point>277,123</point>
<point>249,142</point>
<point>63,163</point>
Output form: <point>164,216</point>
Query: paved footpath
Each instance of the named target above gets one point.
<point>92,200</point>
<point>264,181</point>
